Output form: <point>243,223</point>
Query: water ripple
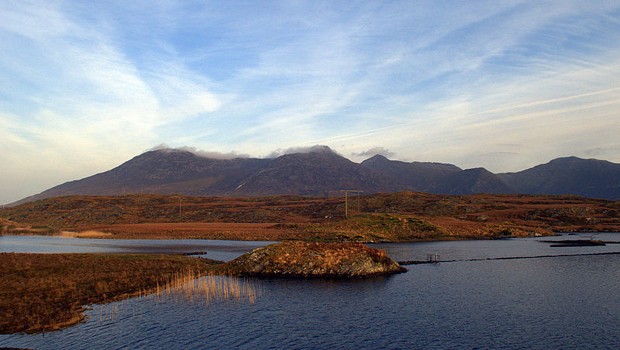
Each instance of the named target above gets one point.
<point>566,302</point>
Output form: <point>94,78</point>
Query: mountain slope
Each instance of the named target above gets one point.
<point>175,171</point>
<point>164,172</point>
<point>415,176</point>
<point>470,181</point>
<point>320,170</point>
<point>571,175</point>
<point>313,173</point>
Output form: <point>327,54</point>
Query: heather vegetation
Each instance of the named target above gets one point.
<point>393,217</point>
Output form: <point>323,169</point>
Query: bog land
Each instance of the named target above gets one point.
<point>394,217</point>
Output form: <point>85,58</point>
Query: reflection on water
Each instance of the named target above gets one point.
<point>191,288</point>
<point>185,289</point>
<point>565,302</point>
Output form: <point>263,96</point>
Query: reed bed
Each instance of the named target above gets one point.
<point>185,288</point>
<point>195,288</point>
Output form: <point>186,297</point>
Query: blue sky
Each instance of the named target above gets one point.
<point>506,85</point>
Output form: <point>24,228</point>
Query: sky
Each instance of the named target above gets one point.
<point>504,85</point>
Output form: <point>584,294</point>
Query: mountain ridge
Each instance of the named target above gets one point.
<point>319,170</point>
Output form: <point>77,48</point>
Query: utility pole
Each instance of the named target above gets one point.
<point>346,201</point>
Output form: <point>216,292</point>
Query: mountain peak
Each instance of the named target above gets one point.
<point>314,149</point>
<point>322,148</point>
<point>566,160</point>
<point>377,158</point>
<point>317,169</point>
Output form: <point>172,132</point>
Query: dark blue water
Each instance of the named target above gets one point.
<point>217,250</point>
<point>563,302</point>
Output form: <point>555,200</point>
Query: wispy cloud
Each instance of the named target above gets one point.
<point>505,85</point>
<point>373,152</point>
<point>72,93</point>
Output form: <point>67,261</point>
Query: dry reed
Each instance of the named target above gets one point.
<point>183,288</point>
<point>193,287</point>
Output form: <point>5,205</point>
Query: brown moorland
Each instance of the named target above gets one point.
<point>44,292</point>
<point>393,217</point>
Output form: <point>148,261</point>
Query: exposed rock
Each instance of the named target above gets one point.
<point>311,259</point>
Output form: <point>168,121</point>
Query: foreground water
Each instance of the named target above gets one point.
<point>567,302</point>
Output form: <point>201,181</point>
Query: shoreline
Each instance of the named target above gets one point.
<point>104,237</point>
<point>33,278</point>
<point>43,292</point>
<point>282,235</point>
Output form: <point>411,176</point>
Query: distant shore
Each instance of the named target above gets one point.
<point>270,232</point>
<point>392,217</point>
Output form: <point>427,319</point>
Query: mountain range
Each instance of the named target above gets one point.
<point>320,171</point>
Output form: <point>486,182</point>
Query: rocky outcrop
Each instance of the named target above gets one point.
<point>311,259</point>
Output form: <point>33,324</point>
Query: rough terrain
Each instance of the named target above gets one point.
<point>313,259</point>
<point>394,217</point>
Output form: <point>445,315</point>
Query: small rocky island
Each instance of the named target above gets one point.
<point>313,259</point>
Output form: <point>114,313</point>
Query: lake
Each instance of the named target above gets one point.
<point>556,297</point>
<point>217,250</point>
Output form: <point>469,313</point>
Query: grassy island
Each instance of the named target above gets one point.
<point>313,260</point>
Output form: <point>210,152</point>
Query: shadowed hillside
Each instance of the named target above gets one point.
<point>320,171</point>
<point>584,177</point>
